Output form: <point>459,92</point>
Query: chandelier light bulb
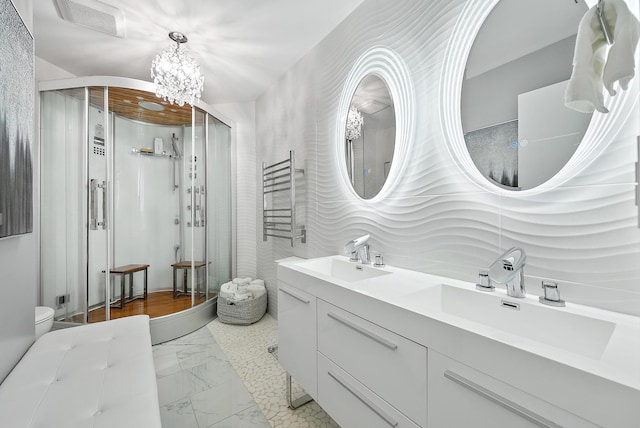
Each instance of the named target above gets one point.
<point>176,74</point>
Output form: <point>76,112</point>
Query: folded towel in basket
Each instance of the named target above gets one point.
<point>256,289</point>
<point>239,297</point>
<point>228,290</point>
<point>242,281</point>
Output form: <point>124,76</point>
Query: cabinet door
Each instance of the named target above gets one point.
<point>390,365</point>
<point>460,396</point>
<point>351,404</point>
<point>297,336</point>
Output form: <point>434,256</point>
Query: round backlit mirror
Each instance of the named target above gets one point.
<point>370,134</point>
<point>516,127</point>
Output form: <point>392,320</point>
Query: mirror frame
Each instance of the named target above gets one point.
<point>600,132</point>
<point>388,66</point>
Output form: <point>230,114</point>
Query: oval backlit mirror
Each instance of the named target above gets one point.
<point>516,127</point>
<point>370,134</point>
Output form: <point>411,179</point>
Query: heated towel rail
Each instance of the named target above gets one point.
<point>279,199</point>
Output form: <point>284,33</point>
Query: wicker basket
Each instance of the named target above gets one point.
<point>245,312</point>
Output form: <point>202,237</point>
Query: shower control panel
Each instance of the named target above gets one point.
<point>98,140</point>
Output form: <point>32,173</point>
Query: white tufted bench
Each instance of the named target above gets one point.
<point>98,375</point>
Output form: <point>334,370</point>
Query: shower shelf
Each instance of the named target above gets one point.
<point>279,214</point>
<point>137,151</point>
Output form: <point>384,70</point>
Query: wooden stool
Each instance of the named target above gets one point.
<point>123,271</point>
<point>186,265</point>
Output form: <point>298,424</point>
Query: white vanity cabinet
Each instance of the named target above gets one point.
<point>391,366</point>
<point>390,350</point>
<point>460,396</point>
<point>351,404</point>
<point>297,336</point>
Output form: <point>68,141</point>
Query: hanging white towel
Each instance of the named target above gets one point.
<point>585,90</point>
<point>620,65</point>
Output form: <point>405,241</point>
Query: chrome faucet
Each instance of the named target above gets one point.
<point>359,249</point>
<point>508,269</point>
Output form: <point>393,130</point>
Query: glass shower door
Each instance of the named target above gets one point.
<point>73,204</point>
<point>218,204</point>
<point>63,203</point>
<point>99,223</point>
<point>148,192</point>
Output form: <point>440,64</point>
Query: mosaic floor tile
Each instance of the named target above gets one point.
<point>222,376</point>
<point>246,347</point>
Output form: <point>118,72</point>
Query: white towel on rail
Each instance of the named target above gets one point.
<point>625,29</point>
<point>585,90</point>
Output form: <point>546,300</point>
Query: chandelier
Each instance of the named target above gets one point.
<point>354,123</point>
<point>176,74</point>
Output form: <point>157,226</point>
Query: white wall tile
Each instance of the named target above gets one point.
<point>582,234</point>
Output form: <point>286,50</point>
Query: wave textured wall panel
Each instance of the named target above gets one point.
<point>583,233</point>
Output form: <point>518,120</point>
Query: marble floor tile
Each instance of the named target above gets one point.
<point>221,402</point>
<point>178,414</point>
<point>195,355</point>
<point>248,418</point>
<point>222,376</point>
<point>166,364</point>
<point>214,373</point>
<point>246,347</point>
<point>178,386</point>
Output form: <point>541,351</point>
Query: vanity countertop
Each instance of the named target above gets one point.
<point>415,304</point>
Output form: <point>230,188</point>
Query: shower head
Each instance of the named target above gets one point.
<point>174,145</point>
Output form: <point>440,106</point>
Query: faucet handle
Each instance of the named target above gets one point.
<point>484,283</point>
<point>354,257</point>
<point>551,294</point>
<point>379,261</point>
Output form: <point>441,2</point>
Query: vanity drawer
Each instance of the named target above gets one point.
<point>297,336</point>
<point>390,365</point>
<point>487,402</point>
<point>351,404</point>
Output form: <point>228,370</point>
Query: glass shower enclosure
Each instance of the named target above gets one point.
<point>135,201</point>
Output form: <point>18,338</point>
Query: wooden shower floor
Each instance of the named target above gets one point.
<point>158,304</point>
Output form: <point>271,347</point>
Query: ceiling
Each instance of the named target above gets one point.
<point>243,46</point>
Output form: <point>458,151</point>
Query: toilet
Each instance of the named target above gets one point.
<point>44,320</point>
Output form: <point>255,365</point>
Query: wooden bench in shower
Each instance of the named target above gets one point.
<point>129,270</point>
<point>186,266</point>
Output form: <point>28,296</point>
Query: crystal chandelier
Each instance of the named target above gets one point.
<point>176,74</point>
<point>354,123</point>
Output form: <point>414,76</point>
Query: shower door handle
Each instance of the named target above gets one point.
<point>103,186</point>
<point>93,204</point>
<point>94,223</point>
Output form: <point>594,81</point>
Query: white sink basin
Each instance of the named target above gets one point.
<point>525,318</point>
<point>342,269</point>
